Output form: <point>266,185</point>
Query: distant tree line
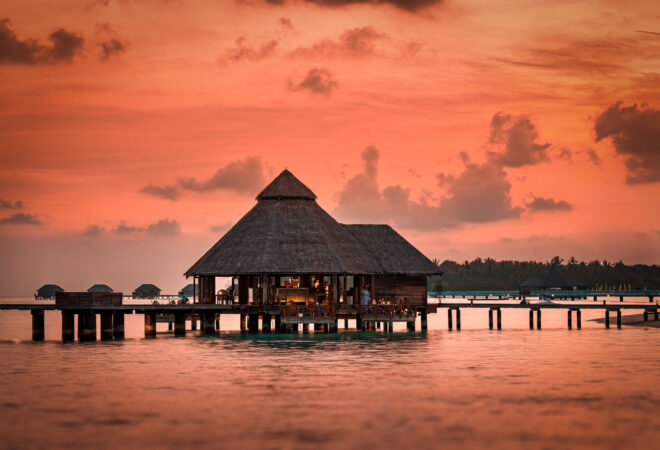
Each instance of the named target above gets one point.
<point>488,274</point>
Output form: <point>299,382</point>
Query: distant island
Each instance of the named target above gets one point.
<point>489,274</point>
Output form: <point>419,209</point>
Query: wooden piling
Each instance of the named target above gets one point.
<point>149,325</point>
<point>86,326</point>
<point>646,315</point>
<point>265,323</point>
<point>411,325</point>
<point>68,324</point>
<point>579,319</point>
<point>107,332</point>
<point>531,319</point>
<point>618,318</point>
<point>217,322</point>
<point>458,319</point>
<point>621,298</point>
<point>490,319</point>
<point>193,323</point>
<point>424,320</point>
<point>305,328</point>
<point>278,323</point>
<point>499,319</point>
<point>345,324</point>
<point>118,325</point>
<point>449,319</point>
<point>538,319</point>
<point>169,324</point>
<point>243,323</point>
<point>607,318</point>
<point>570,319</point>
<point>391,327</point>
<point>179,323</point>
<point>38,325</point>
<point>318,327</point>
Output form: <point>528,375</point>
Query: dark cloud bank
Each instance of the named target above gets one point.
<point>64,45</point>
<point>21,219</point>
<point>161,228</point>
<point>242,176</point>
<point>481,193</point>
<point>408,5</point>
<point>317,81</point>
<point>635,134</point>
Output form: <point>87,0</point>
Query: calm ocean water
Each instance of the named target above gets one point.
<point>476,388</point>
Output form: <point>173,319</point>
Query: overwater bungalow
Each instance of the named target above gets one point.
<point>47,292</point>
<point>100,288</point>
<point>188,290</point>
<point>146,291</point>
<point>553,280</point>
<point>288,251</point>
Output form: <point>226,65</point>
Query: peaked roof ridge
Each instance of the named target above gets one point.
<point>286,185</point>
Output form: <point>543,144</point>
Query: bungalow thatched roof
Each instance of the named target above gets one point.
<point>287,232</point>
<point>48,290</point>
<point>100,288</point>
<point>147,288</point>
<point>391,251</point>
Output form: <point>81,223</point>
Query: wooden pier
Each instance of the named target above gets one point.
<point>574,294</point>
<point>290,318</point>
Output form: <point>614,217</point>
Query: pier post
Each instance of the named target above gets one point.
<point>335,325</point>
<point>358,321</point>
<point>458,319</point>
<point>242,319</point>
<point>149,324</point>
<point>531,319</point>
<point>538,319</point>
<point>265,323</point>
<point>345,324</point>
<point>305,328</point>
<point>217,322</point>
<point>384,327</point>
<point>38,333</point>
<point>490,319</point>
<point>179,323</point>
<point>68,320</point>
<point>391,327</point>
<point>621,298</point>
<point>424,320</point>
<point>449,319</point>
<point>208,322</point>
<point>87,326</point>
<point>107,332</point>
<point>595,297</point>
<point>579,319</point>
<point>118,325</point>
<point>570,319</point>
<point>411,325</point>
<point>499,319</point>
<point>278,323</point>
<point>607,318</point>
<point>169,324</point>
<point>655,314</point>
<point>618,318</point>
<point>193,322</point>
<point>650,299</point>
<point>646,315</point>
<point>318,327</point>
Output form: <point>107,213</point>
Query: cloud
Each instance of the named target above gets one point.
<point>479,194</point>
<point>64,46</point>
<point>245,50</point>
<point>593,156</point>
<point>355,41</point>
<point>8,204</point>
<point>167,192</point>
<point>515,137</point>
<point>635,133</point>
<point>242,176</point>
<point>94,231</point>
<point>21,219</point>
<point>162,228</point>
<point>111,47</point>
<point>317,81</point>
<point>548,204</point>
<point>285,23</point>
<point>408,5</point>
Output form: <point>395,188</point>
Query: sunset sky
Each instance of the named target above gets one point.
<point>134,133</point>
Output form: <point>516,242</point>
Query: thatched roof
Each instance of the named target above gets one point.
<point>189,289</point>
<point>391,251</point>
<point>287,232</point>
<point>48,290</point>
<point>100,288</point>
<point>147,289</point>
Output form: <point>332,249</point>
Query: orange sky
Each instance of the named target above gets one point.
<point>132,133</point>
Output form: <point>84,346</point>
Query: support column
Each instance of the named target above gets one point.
<point>490,319</point>
<point>305,327</point>
<point>538,319</point>
<point>570,319</point>
<point>278,323</point>
<point>253,323</point>
<point>193,322</point>
<point>579,319</point>
<point>449,319</point>
<point>38,332</point>
<point>345,324</point>
<point>179,323</point>
<point>217,322</point>
<point>107,331</point>
<point>607,318</point>
<point>531,319</point>
<point>655,314</point>
<point>646,315</point>
<point>68,321</point>
<point>149,325</point>
<point>265,323</point>
<point>618,318</point>
<point>118,325</point>
<point>424,320</point>
<point>243,324</point>
<point>87,326</point>
<point>318,327</point>
<point>169,324</point>
<point>621,298</point>
<point>411,325</point>
<point>208,322</point>
<point>391,327</point>
<point>499,319</point>
<point>458,319</point>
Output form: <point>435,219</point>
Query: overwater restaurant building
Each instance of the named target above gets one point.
<point>288,250</point>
